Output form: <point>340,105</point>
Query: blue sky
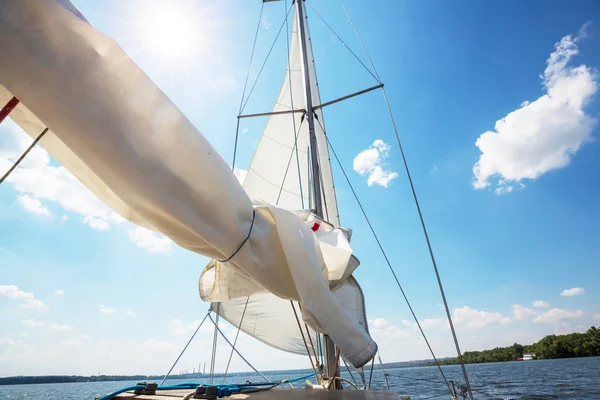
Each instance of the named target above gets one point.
<point>82,292</point>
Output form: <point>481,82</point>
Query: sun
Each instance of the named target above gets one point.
<point>175,31</point>
<point>170,31</point>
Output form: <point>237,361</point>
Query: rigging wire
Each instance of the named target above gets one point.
<point>237,129</point>
<point>371,373</point>
<point>349,371</point>
<point>236,338</point>
<point>289,66</point>
<point>266,58</point>
<point>310,339</point>
<point>387,261</point>
<point>385,375</point>
<point>412,186</point>
<point>214,348</point>
<point>217,329</point>
<point>304,340</point>
<point>437,273</point>
<point>287,168</point>
<point>344,43</point>
<point>16,164</point>
<point>183,351</point>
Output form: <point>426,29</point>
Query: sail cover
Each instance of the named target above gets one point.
<point>279,174</point>
<point>126,141</point>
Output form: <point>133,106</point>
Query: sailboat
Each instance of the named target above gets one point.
<point>282,266</point>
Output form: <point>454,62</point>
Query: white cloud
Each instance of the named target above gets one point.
<point>370,163</point>
<point>240,174</point>
<point>544,134</point>
<point>472,319</point>
<point>540,304</point>
<point>96,223</point>
<point>556,315</point>
<point>64,218</point>
<point>13,292</point>
<point>151,241</point>
<point>34,303</point>
<point>434,323</point>
<point>577,291</point>
<point>60,328</point>
<point>32,323</point>
<point>105,310</point>
<point>383,330</point>
<point>29,300</point>
<point>597,317</point>
<point>32,205</point>
<point>59,292</point>
<point>37,179</point>
<point>521,312</point>
<point>179,327</point>
<point>244,131</point>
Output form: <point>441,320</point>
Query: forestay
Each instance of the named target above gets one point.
<point>127,142</point>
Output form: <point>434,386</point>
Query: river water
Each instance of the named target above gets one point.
<point>576,378</point>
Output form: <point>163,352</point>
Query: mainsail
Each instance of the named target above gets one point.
<point>127,142</point>
<point>279,171</point>
<point>279,175</point>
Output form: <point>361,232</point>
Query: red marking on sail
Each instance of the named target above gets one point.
<point>12,103</point>
<point>315,227</point>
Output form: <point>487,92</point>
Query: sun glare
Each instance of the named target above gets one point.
<point>170,32</point>
<point>174,32</point>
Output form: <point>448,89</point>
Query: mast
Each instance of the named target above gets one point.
<point>331,366</point>
<point>314,153</point>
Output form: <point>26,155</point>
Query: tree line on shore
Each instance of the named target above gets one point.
<point>552,346</point>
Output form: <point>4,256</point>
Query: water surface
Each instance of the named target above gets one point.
<point>575,378</point>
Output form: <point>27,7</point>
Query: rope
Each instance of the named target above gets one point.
<point>388,262</point>
<point>236,338</point>
<point>16,164</point>
<point>183,351</point>
<point>287,35</point>
<point>342,41</point>
<point>265,61</point>
<point>339,378</point>
<point>304,340</point>
<point>236,350</point>
<point>244,242</point>
<point>412,186</point>
<point>213,357</point>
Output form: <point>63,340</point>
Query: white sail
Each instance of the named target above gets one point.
<point>279,171</point>
<point>271,319</point>
<point>126,141</point>
<point>279,174</point>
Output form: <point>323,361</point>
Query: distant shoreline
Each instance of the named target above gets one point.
<point>30,380</point>
<point>572,345</point>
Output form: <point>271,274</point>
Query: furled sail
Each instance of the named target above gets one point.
<point>279,174</point>
<point>126,141</point>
